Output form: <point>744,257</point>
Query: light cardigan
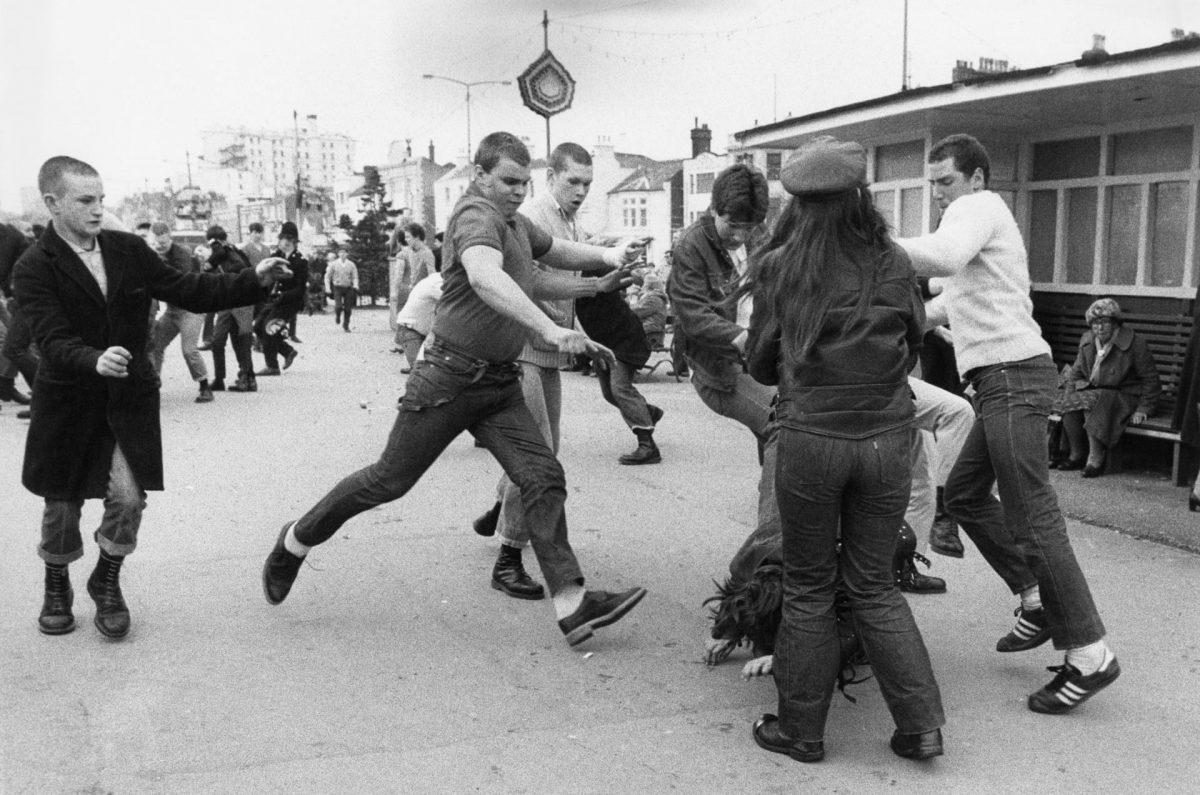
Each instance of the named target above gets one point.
<point>978,250</point>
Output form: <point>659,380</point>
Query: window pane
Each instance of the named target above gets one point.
<point>774,164</point>
<point>1152,151</point>
<point>1002,160</point>
<point>900,161</point>
<point>1043,227</point>
<point>1066,159</point>
<point>1169,227</point>
<point>704,182</point>
<point>910,211</point>
<point>885,202</point>
<point>1124,220</point>
<point>1081,235</point>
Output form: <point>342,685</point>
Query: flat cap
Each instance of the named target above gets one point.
<point>825,165</point>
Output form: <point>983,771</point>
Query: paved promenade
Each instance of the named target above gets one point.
<point>394,667</point>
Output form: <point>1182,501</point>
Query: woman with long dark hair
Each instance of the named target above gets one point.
<point>837,324</point>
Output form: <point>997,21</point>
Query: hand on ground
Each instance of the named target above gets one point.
<point>759,666</point>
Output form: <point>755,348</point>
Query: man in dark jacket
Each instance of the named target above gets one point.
<point>276,318</point>
<point>232,323</point>
<point>176,321</point>
<point>15,356</point>
<point>95,429</point>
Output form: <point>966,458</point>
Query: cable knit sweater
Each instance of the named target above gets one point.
<point>979,250</point>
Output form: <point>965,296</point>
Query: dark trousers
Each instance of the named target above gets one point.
<point>1023,537</point>
<point>446,394</point>
<point>238,324</point>
<point>273,345</point>
<point>343,303</point>
<point>861,486</point>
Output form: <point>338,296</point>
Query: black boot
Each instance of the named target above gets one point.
<point>646,452</point>
<point>104,586</point>
<point>943,535</point>
<point>245,383</point>
<point>904,567</point>
<point>9,391</point>
<point>486,525</point>
<point>509,575</point>
<point>56,617</point>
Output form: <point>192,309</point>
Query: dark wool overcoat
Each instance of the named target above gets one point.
<point>77,415</point>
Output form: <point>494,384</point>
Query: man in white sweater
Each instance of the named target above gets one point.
<point>978,250</point>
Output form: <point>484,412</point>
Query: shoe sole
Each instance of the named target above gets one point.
<point>533,597</point>
<point>57,630</point>
<point>1032,643</point>
<point>1055,706</point>
<point>919,754</point>
<point>655,460</point>
<point>585,630</point>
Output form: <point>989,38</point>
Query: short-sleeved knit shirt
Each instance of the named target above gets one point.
<point>463,319</point>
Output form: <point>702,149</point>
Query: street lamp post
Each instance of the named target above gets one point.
<point>468,87</point>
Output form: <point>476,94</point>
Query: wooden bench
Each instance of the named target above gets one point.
<point>1167,336</point>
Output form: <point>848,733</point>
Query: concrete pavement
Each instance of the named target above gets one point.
<point>394,667</point>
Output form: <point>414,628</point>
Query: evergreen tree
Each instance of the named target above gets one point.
<point>368,238</point>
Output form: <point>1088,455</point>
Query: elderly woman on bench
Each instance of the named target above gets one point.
<point>1113,383</point>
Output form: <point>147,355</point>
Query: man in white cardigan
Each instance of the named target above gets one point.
<point>979,252</point>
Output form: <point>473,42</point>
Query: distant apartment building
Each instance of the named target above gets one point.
<point>410,183</point>
<point>272,156</point>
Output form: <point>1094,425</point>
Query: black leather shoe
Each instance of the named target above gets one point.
<point>909,580</point>
<point>1090,471</point>
<point>280,570</point>
<point>9,392</point>
<point>943,538</point>
<point>486,525</point>
<point>599,609</point>
<point>268,371</point>
<point>104,586</point>
<point>56,617</point>
<point>510,576</point>
<point>767,736</point>
<point>924,745</point>
<point>1069,465</point>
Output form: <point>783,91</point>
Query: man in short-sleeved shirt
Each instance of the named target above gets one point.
<point>468,381</point>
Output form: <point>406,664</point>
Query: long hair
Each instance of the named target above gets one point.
<point>794,273</point>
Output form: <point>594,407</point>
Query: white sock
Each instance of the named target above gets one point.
<point>1091,658</point>
<point>1031,599</point>
<point>292,544</point>
<point>568,600</point>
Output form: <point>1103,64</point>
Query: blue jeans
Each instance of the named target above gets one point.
<point>1023,537</point>
<point>446,394</point>
<point>862,485</point>
<point>541,387</point>
<point>123,505</point>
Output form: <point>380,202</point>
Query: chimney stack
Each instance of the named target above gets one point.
<point>431,158</point>
<point>701,138</point>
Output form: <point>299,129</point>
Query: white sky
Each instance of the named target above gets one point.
<point>128,84</point>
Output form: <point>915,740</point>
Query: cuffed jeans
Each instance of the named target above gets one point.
<point>541,387</point>
<point>187,326</point>
<point>944,419</point>
<point>446,394</point>
<point>1023,537</point>
<point>123,505</point>
<point>616,384</point>
<point>861,484</point>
